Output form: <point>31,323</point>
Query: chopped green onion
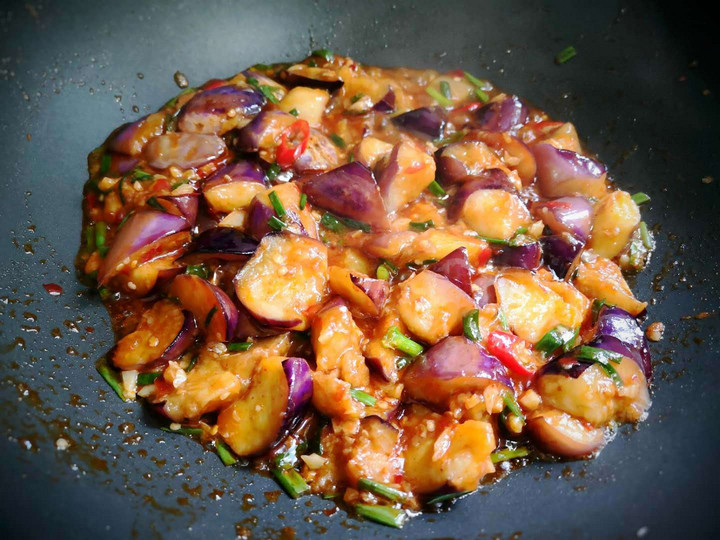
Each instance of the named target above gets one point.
<point>363,397</point>
<point>225,454</point>
<point>192,363</point>
<point>112,378</point>
<point>640,197</point>
<point>355,224</point>
<point>303,201</point>
<point>267,90</point>
<point>597,305</point>
<point>331,222</point>
<point>122,222</point>
<point>240,346</point>
<point>337,140</point>
<point>445,89</point>
<point>351,158</point>
<point>381,489</point>
<point>439,499</point>
<point>273,171</point>
<point>491,240</point>
<point>187,431</point>
<point>503,320</point>
<point>90,238</point>
<point>210,315</point>
<point>555,338</point>
<point>262,67</point>
<point>506,454</point>
<point>395,339</point>
<point>121,195</point>
<point>436,189</point>
<point>571,340</point>
<point>173,101</point>
<point>327,54</point>
<point>139,174</point>
<point>276,224</point>
<point>104,292</point>
<point>294,112</point>
<point>512,405</point>
<point>356,97</point>
<point>148,378</point>
<point>199,270</point>
<point>437,96</point>
<point>598,355</point>
<point>393,269</point>
<point>171,123</point>
<point>312,63</point>
<point>383,272</point>
<point>422,225</point>
<point>100,234</point>
<point>153,202</point>
<point>385,515</point>
<point>566,54</point>
<point>177,185</point>
<point>429,261</point>
<point>455,137</point>
<point>482,96</point>
<point>291,481</point>
<point>646,236</point>
<point>277,204</point>
<point>475,81</point>
<point>471,325</point>
<point>611,372</point>
<point>104,164</point>
<point>402,362</point>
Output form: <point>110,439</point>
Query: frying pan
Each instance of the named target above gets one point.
<point>642,89</point>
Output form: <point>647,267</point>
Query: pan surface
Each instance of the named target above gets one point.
<point>642,90</point>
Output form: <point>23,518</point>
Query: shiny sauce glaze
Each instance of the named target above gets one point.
<point>383,285</point>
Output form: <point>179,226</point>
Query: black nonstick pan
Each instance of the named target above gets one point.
<point>643,89</point>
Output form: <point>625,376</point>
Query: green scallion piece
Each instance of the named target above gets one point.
<point>276,224</point>
<point>173,101</point>
<point>225,454</point>
<point>482,96</point>
<point>112,378</point>
<point>356,97</point>
<point>403,362</point>
<point>598,355</point>
<point>597,305</point>
<point>491,240</point>
<point>422,225</point>
<point>395,339</point>
<point>646,236</point>
<point>199,270</point>
<point>104,164</point>
<point>153,202</point>
<point>291,482</point>
<point>506,454</point>
<point>385,515</point>
<point>445,89</point>
<point>570,342</point>
<point>192,363</point>
<point>381,489</point>
<point>475,81</point>
<point>90,238</point>
<point>512,405</point>
<point>187,431</point>
<point>269,92</point>
<point>240,346</point>
<point>124,220</point>
<point>177,185</point>
<point>148,378</point>
<point>363,397</point>
<point>303,201</point>
<point>554,339</point>
<point>210,315</point>
<point>355,224</point>
<point>471,325</point>
<point>436,189</point>
<point>139,174</point>
<point>121,195</point>
<point>104,292</point>
<point>286,460</point>
<point>277,204</point>
<point>338,140</point>
<point>330,222</point>
<point>294,112</point>
<point>455,137</point>
<point>566,54</point>
<point>262,67</point>
<point>327,54</point>
<point>393,269</point>
<point>437,96</point>
<point>382,272</point>
<point>273,171</point>
<point>640,197</point>
<point>503,320</point>
<point>439,499</point>
<point>100,234</point>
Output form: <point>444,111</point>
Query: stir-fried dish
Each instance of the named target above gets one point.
<point>384,285</point>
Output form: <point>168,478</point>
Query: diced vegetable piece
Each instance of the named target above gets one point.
<point>454,365</point>
<point>456,267</point>
<point>371,150</point>
<point>181,205</point>
<point>234,186</point>
<point>184,150</point>
<point>566,215</point>
<point>214,311</point>
<point>600,278</point>
<point>386,103</point>
<point>561,434</point>
<point>135,240</point>
<point>263,133</point>
<point>563,173</point>
<point>164,333</point>
<point>375,458</point>
<point>309,103</point>
<point>283,280</point>
<point>432,307</point>
<point>332,397</point>
<point>223,243</point>
<point>320,155</point>
<point>425,122</point>
<point>495,213</point>
<point>483,288</point>
<point>526,256</point>
<point>295,220</point>
<point>438,244</point>
<point>209,111</point>
<point>131,138</point>
<point>460,161</point>
<point>517,154</point>
<point>488,179</point>
<point>314,77</point>
<point>367,294</point>
<point>253,423</point>
<point>405,176</point>
<point>349,191</point>
<point>615,218</point>
<point>534,307</point>
<point>504,115</point>
<point>559,251</point>
<point>617,323</point>
<point>337,342</point>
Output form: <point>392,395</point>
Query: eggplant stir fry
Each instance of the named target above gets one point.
<point>386,286</point>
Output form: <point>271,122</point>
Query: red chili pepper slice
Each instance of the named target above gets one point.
<point>214,83</point>
<point>470,107</point>
<point>502,345</point>
<point>287,152</point>
<point>53,289</point>
<point>160,185</point>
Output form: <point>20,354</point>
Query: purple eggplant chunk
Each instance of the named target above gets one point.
<point>567,365</point>
<point>186,205</point>
<point>131,138</point>
<point>387,103</point>
<point>527,256</point>
<point>505,115</point>
<point>559,251</point>
<point>426,122</point>
<point>182,342</point>
<point>312,77</point>
<point>210,111</point>
<point>245,171</point>
<point>223,243</point>
<point>484,290</point>
<point>490,179</point>
<point>566,214</point>
<point>349,191</point>
<point>300,390</point>
<point>262,130</point>
<point>619,324</point>
<point>563,173</point>
<point>377,290</point>
<point>184,150</point>
<point>456,267</point>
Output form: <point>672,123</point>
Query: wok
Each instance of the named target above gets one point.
<point>642,89</point>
